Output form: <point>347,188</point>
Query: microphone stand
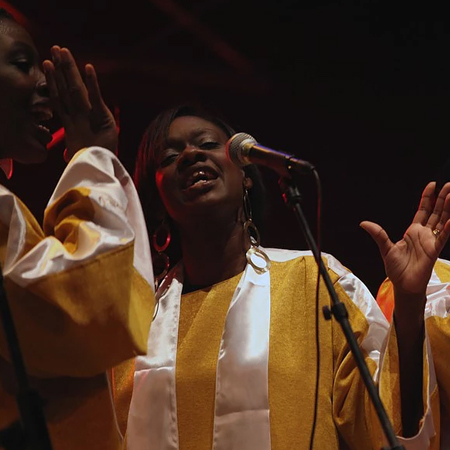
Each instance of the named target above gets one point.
<point>292,198</point>
<point>31,432</point>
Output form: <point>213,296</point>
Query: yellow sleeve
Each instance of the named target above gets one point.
<point>437,321</point>
<point>436,372</point>
<point>385,299</point>
<point>353,409</point>
<point>428,436</point>
<point>81,291</point>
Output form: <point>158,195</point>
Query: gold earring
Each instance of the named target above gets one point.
<point>255,255</point>
<point>160,241</point>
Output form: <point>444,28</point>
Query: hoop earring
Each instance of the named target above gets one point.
<point>161,259</point>
<point>256,257</point>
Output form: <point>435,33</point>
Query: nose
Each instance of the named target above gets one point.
<point>190,155</point>
<point>41,86</point>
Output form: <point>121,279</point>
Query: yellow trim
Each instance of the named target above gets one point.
<point>64,217</point>
<point>84,320</point>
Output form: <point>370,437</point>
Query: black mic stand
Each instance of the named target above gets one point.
<point>31,432</point>
<point>292,198</point>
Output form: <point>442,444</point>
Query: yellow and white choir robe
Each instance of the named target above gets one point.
<point>437,323</point>
<point>81,294</point>
<point>233,366</point>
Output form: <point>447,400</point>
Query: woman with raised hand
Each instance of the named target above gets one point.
<point>79,287</point>
<point>436,320</point>
<point>232,359</point>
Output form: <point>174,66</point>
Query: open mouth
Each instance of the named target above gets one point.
<point>199,177</point>
<point>39,117</point>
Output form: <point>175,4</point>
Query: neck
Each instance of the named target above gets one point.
<point>213,254</point>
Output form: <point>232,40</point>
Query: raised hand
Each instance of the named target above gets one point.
<point>409,262</point>
<point>86,119</point>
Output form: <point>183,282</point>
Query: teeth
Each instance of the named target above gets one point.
<point>198,174</point>
<point>43,128</point>
<point>197,177</point>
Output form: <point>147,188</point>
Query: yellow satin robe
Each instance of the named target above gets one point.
<point>80,290</point>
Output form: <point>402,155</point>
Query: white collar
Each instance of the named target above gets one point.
<point>243,361</point>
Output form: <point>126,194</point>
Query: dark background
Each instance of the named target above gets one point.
<point>359,88</point>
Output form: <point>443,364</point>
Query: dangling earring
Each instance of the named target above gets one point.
<point>256,257</point>
<point>160,241</point>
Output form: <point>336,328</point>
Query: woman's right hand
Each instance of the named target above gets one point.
<point>86,119</point>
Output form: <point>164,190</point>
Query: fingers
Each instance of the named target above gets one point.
<point>441,212</point>
<point>93,88</point>
<point>433,211</point>
<point>441,230</point>
<point>72,93</point>
<point>379,235</point>
<point>434,214</point>
<point>445,231</point>
<point>50,76</point>
<point>59,81</point>
<point>426,204</point>
<point>85,117</point>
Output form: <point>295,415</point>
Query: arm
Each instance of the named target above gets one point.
<point>409,264</point>
<point>353,410</point>
<point>81,293</point>
<point>81,289</point>
<point>438,330</point>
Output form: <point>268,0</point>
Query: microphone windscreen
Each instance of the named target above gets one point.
<point>235,147</point>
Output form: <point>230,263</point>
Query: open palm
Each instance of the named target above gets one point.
<point>409,262</point>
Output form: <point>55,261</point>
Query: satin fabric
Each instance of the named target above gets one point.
<point>110,217</point>
<point>153,416</point>
<point>242,405</point>
<point>437,322</point>
<point>80,290</point>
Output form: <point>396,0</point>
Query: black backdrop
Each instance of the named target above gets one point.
<point>360,89</point>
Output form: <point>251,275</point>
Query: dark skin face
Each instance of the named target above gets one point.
<point>24,100</point>
<point>202,190</point>
<point>195,178</point>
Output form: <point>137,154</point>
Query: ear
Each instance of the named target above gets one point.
<point>248,183</point>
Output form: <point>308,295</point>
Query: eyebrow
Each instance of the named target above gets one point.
<point>20,46</point>
<point>195,133</point>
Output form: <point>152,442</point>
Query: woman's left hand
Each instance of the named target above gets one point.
<point>409,262</point>
<point>86,119</point>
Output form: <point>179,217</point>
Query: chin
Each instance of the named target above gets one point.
<point>33,155</point>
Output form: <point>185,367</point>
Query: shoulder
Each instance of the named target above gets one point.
<point>95,164</point>
<point>343,279</point>
<point>284,255</point>
<point>93,154</point>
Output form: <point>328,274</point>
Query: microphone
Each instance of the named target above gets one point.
<point>243,150</point>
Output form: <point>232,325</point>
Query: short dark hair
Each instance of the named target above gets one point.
<point>153,139</point>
